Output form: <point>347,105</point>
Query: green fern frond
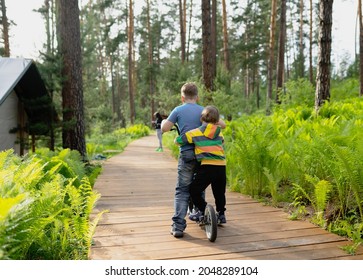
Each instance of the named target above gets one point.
<point>299,192</point>
<point>63,168</point>
<point>74,160</point>
<point>89,196</point>
<point>29,174</point>
<point>7,183</point>
<point>92,229</point>
<point>8,158</point>
<point>348,168</point>
<point>51,171</point>
<point>272,183</point>
<point>36,229</point>
<point>6,204</point>
<point>52,219</point>
<point>322,191</point>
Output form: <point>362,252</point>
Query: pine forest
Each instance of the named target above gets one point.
<point>294,135</point>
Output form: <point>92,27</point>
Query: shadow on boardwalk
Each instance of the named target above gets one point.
<point>137,188</point>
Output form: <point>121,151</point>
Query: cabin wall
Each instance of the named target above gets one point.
<point>9,120</point>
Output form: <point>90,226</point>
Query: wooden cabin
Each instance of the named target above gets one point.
<point>26,108</point>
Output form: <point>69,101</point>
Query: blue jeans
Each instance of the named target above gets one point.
<point>186,168</point>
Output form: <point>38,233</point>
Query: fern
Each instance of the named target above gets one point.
<point>91,149</point>
<point>64,169</point>
<point>8,158</point>
<point>322,188</point>
<point>92,229</point>
<point>6,204</point>
<point>44,213</point>
<point>29,174</point>
<point>300,193</point>
<point>7,184</point>
<point>248,154</point>
<point>273,184</point>
<point>347,170</point>
<point>74,160</point>
<point>89,197</point>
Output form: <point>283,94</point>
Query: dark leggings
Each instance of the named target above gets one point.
<point>206,175</point>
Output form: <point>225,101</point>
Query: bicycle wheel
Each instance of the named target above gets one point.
<point>210,223</point>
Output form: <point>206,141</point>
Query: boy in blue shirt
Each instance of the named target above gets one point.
<point>187,116</point>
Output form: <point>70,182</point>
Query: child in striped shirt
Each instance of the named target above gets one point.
<point>209,151</point>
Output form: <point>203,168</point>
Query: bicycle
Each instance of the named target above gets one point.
<point>210,221</point>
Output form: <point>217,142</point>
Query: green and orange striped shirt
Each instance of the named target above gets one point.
<point>208,141</point>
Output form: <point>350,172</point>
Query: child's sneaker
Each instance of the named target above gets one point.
<point>196,216</point>
<point>222,218</point>
<point>176,232</point>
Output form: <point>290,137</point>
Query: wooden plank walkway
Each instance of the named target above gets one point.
<point>137,187</point>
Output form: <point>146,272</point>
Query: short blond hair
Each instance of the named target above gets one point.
<point>189,91</point>
<point>210,114</point>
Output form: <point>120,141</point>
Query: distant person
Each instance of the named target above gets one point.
<point>159,133</point>
<point>209,151</point>
<point>187,117</point>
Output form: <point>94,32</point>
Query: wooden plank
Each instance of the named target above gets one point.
<point>297,253</point>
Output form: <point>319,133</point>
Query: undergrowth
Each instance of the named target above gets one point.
<point>310,162</point>
<point>47,197</point>
<point>306,160</point>
<point>46,202</point>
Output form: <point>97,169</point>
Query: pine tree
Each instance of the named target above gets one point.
<point>322,92</point>
<point>5,29</point>
<point>72,88</point>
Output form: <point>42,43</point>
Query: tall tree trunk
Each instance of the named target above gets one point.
<point>131,62</point>
<point>185,26</point>
<point>322,92</point>
<point>258,97</point>
<point>246,70</point>
<point>214,40</point>
<point>225,37</point>
<point>301,65</point>
<point>151,63</point>
<point>189,27</point>
<point>120,92</point>
<point>112,88</point>
<point>119,95</point>
<point>311,44</point>
<point>271,55</point>
<point>206,49</point>
<point>72,87</point>
<point>360,48</point>
<point>48,14</point>
<point>5,24</point>
<point>101,46</point>
<point>182,23</point>
<point>281,54</point>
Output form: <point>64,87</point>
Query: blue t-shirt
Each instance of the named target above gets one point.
<point>187,116</point>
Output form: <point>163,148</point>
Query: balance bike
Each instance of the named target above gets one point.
<point>210,223</point>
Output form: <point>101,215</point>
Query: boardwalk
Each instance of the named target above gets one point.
<point>137,188</point>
